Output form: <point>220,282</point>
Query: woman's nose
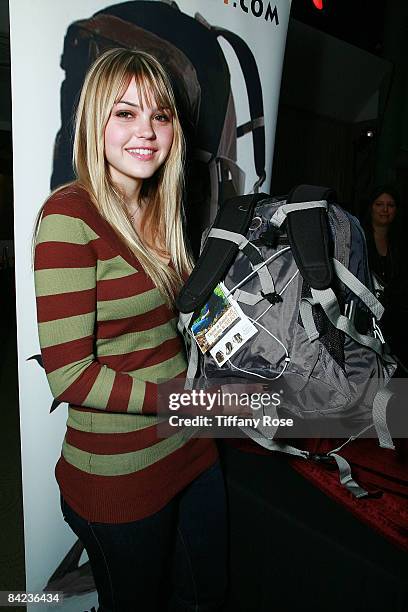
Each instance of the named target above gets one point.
<point>144,128</point>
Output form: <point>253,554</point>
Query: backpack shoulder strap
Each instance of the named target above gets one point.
<point>308,233</point>
<point>234,216</point>
<point>307,193</point>
<point>256,124</point>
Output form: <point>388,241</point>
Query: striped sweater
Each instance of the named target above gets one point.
<point>107,340</point>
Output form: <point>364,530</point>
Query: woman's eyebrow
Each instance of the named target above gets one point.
<point>157,108</point>
<point>129,103</point>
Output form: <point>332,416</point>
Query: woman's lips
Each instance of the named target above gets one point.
<point>142,153</point>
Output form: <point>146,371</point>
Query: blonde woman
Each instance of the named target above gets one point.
<point>110,257</point>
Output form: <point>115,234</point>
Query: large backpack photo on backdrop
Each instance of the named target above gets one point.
<point>190,50</point>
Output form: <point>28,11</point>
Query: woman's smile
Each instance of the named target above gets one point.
<point>142,153</point>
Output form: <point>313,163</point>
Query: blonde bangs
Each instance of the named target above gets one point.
<point>152,84</point>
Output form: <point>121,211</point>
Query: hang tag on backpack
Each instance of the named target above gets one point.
<point>221,327</point>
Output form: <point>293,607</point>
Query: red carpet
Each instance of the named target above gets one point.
<point>380,471</point>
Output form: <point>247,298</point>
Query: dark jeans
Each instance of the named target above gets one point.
<point>174,560</point>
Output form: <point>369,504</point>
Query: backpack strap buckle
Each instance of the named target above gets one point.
<point>273,298</point>
<point>321,458</point>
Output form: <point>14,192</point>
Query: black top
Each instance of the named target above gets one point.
<point>391,271</point>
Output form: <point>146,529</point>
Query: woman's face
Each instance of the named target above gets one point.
<point>383,210</point>
<point>137,142</point>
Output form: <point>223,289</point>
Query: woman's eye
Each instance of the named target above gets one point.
<point>162,117</point>
<point>124,114</point>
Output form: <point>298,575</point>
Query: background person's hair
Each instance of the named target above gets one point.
<point>380,189</point>
<point>104,84</point>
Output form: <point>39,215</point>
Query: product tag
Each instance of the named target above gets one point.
<point>221,327</point>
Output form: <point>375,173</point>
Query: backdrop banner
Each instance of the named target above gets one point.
<point>225,59</point>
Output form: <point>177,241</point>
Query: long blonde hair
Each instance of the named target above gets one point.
<point>105,83</point>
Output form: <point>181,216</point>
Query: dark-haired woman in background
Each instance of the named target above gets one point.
<point>387,255</point>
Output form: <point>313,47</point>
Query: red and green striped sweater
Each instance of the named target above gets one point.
<point>107,338</point>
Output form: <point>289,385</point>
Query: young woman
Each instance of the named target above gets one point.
<point>110,257</point>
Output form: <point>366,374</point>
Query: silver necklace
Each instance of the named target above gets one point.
<point>132,217</point>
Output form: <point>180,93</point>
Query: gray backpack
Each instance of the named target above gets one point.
<point>298,268</point>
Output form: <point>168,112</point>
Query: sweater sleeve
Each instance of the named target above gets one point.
<point>65,284</point>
